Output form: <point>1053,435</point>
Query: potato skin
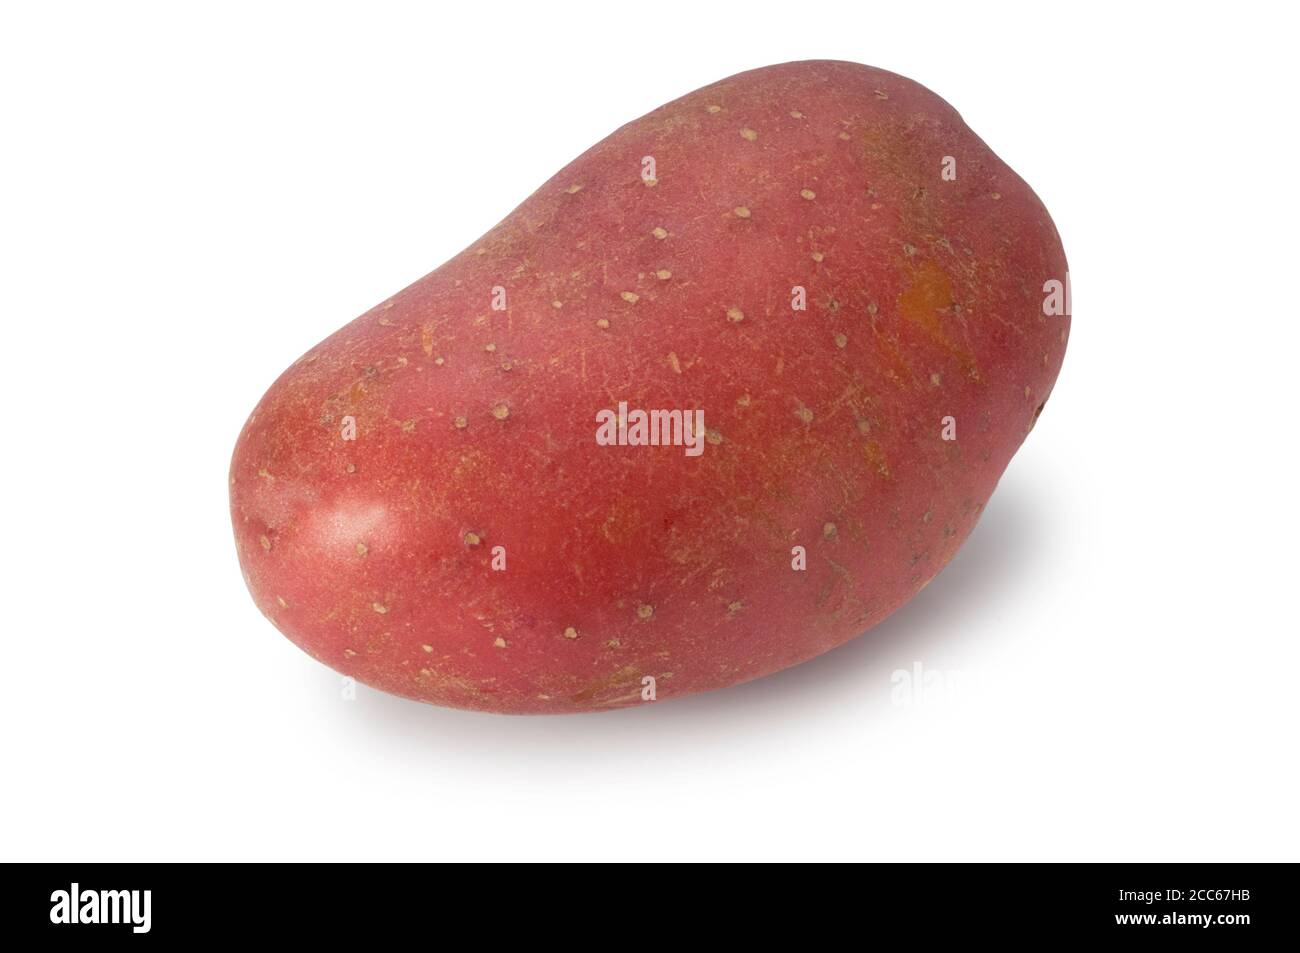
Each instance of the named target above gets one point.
<point>475,427</point>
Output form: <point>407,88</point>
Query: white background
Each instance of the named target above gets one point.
<point>193,195</point>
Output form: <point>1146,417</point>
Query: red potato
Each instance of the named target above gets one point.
<point>434,499</point>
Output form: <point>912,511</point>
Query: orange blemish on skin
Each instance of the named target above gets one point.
<point>928,293</point>
<point>876,457</point>
<point>624,681</point>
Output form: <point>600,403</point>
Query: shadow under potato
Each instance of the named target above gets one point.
<point>1003,542</point>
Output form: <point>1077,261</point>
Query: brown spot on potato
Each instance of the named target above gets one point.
<point>749,135</point>
<point>379,607</point>
<point>875,455</point>
<point>929,293</point>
